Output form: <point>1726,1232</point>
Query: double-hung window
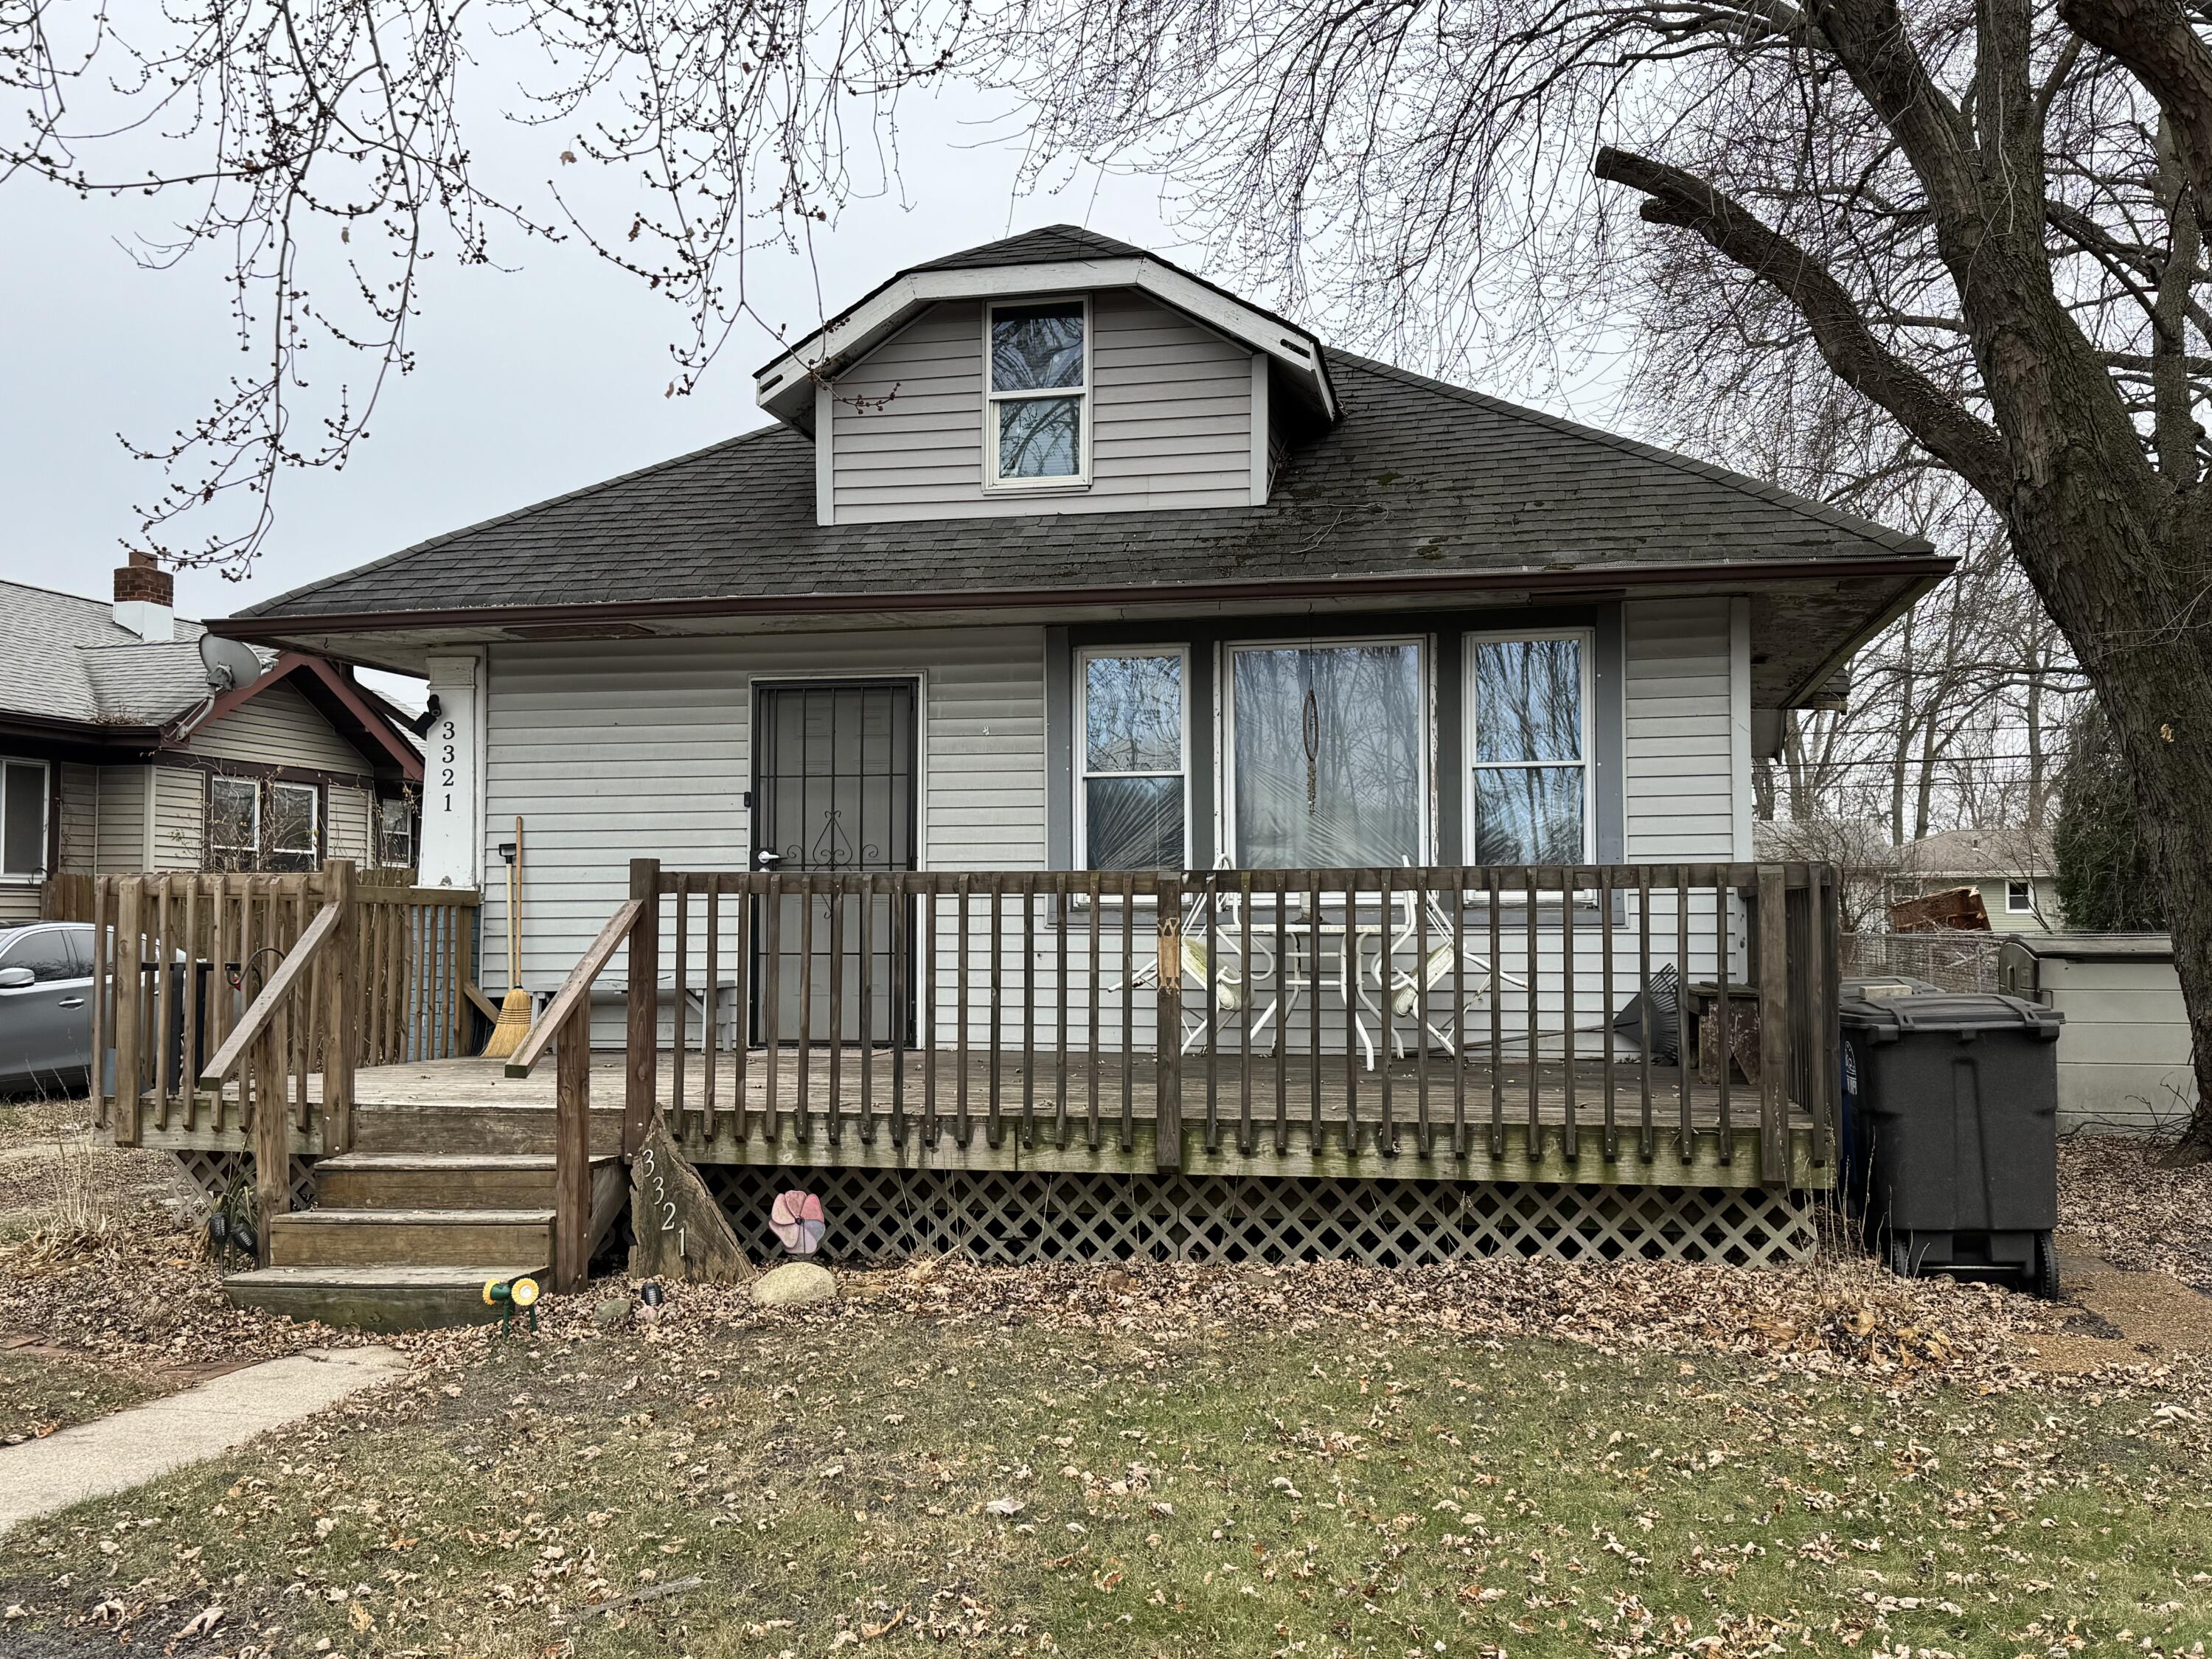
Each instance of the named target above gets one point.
<point>1135,799</point>
<point>2019,898</point>
<point>257,826</point>
<point>22,818</point>
<point>1034,430</point>
<point>395,833</point>
<point>235,822</point>
<point>1529,738</point>
<point>1329,754</point>
<point>294,809</point>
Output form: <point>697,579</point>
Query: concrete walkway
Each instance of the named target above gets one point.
<point>145,1442</point>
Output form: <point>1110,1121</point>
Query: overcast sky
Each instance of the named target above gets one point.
<point>530,381</point>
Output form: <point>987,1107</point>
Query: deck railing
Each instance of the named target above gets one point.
<point>1381,1011</point>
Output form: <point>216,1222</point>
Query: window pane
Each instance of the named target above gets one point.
<point>1528,700</point>
<point>22,820</point>
<point>231,804</point>
<point>1134,710</point>
<point>395,834</point>
<point>1528,815</point>
<point>1328,756</point>
<point>1133,823</point>
<point>291,818</point>
<point>1040,438</point>
<point>1037,348</point>
<point>45,951</point>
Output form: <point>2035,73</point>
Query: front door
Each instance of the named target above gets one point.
<point>834,781</point>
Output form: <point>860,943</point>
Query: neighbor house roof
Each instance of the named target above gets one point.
<point>1977,855</point>
<point>63,656</point>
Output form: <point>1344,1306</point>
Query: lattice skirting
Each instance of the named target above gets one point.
<point>217,1173</point>
<point>877,1215</point>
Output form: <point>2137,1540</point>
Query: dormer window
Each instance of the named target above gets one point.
<point>1034,432</point>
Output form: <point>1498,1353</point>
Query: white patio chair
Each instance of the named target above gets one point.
<point>1228,982</point>
<point>1436,970</point>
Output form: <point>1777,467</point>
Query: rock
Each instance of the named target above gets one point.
<point>793,1285</point>
<point>680,1229</point>
<point>610,1312</point>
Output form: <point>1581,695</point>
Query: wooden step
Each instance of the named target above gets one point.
<point>428,1181</point>
<point>488,1128</point>
<point>409,1238</point>
<point>375,1298</point>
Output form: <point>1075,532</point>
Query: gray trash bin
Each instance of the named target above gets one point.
<point>1955,1151</point>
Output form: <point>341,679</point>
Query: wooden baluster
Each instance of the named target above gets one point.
<point>1683,1005</point>
<point>1721,1033</point>
<point>1498,1015</point>
<point>961,1130</point>
<point>710,1017</point>
<point>464,976</point>
<point>1246,929</point>
<point>1029,1010</point>
<point>1128,1011</point>
<point>902,997</point>
<point>1648,1133</point>
<point>1605,875</point>
<point>927,968</point>
<point>1060,884</point>
<point>866,1022</point>
<point>1210,990</point>
<point>308,1006</point>
<point>103,989</point>
<point>1417,895</point>
<point>1571,1135</point>
<point>803,1125</point>
<point>1386,1038</point>
<point>1091,1021</point>
<point>1535,997</point>
<point>835,918</point>
<point>1281,1041</point>
<point>1826,1032</point>
<point>741,1009</point>
<point>641,1082</point>
<point>1773,1027</point>
<point>680,1015</point>
<point>1313,981</point>
<point>771,1001</point>
<point>995,1130</point>
<point>341,1041</point>
<point>250,977</point>
<point>1458,1011</point>
<point>272,1152</point>
<point>1349,963</point>
<point>572,1146</point>
<point>1167,1031</point>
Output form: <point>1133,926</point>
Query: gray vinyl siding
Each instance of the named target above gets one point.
<point>1170,404</point>
<point>2123,1056</point>
<point>615,749</point>
<point>279,727</point>
<point>180,818</point>
<point>80,809</point>
<point>349,809</point>
<point>1678,785</point>
<point>122,831</point>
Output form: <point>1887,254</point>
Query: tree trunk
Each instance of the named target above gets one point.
<point>2116,581</point>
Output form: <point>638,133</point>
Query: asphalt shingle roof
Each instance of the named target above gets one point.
<point>1419,478</point>
<point>64,657</point>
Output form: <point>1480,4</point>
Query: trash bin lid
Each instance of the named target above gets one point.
<point>1887,1019</point>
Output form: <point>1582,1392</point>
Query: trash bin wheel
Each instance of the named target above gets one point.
<point>1899,1256</point>
<point>2045,1282</point>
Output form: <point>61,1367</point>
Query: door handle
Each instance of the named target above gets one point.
<point>70,1002</point>
<point>766,859</point>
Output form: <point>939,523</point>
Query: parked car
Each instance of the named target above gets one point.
<point>45,1007</point>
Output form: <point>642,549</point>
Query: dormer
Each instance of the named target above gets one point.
<point>1055,371</point>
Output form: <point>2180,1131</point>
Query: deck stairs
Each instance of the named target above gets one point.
<point>407,1228</point>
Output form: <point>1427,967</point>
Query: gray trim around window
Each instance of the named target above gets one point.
<point>1447,669</point>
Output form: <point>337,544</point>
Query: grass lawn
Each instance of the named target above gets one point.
<point>41,1392</point>
<point>1003,1483</point>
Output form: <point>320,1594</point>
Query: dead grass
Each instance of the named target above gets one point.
<point>43,1391</point>
<point>2116,1194</point>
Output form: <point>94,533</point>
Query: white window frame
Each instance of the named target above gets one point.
<point>1423,658</point>
<point>1469,745</point>
<point>2026,905</point>
<point>314,819</point>
<point>253,850</point>
<point>26,877</point>
<point>1083,658</point>
<point>1084,394</point>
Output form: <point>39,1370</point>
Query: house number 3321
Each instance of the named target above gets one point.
<point>446,734</point>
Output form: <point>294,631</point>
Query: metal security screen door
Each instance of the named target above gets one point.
<point>834,790</point>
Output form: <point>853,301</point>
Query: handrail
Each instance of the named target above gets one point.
<point>588,968</point>
<point>255,1021</point>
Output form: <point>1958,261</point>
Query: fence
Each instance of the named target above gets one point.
<point>1953,959</point>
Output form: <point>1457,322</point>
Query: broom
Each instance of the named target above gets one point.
<point>514,1010</point>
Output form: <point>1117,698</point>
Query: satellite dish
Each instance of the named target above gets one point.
<point>796,1219</point>
<point>230,663</point>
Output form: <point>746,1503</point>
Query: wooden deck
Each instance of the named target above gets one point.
<point>1276,1119</point>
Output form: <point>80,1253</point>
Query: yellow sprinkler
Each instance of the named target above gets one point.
<point>509,1294</point>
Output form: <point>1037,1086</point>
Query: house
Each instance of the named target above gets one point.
<point>1078,650</point>
<point>2013,871</point>
<point>118,755</point>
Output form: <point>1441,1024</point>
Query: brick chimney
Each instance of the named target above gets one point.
<point>145,599</point>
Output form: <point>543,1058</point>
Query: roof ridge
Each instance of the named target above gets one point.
<point>513,513</point>
<point>1897,539</point>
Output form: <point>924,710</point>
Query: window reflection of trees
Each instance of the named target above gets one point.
<point>1327,754</point>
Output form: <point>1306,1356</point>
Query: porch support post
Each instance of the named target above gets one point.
<point>642,1042</point>
<point>129,977</point>
<point>1773,1026</point>
<point>1167,1029</point>
<point>572,1147</point>
<point>342,1035</point>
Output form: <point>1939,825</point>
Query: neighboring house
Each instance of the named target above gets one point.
<point>117,756</point>
<point>2012,869</point>
<point>1052,556</point>
<point>1860,849</point>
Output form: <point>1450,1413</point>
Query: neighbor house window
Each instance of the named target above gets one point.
<point>2019,898</point>
<point>1329,754</point>
<point>395,834</point>
<point>1039,383</point>
<point>1134,800</point>
<point>22,817</point>
<point>291,826</point>
<point>1528,748</point>
<point>235,822</point>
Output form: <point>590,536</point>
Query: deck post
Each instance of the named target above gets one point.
<point>1773,1026</point>
<point>642,1040</point>
<point>1167,1029</point>
<point>124,962</point>
<point>572,1147</point>
<point>342,1036</point>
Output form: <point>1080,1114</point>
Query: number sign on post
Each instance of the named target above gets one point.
<point>452,842</point>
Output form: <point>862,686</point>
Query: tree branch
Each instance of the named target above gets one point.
<point>2157,43</point>
<point>1846,344</point>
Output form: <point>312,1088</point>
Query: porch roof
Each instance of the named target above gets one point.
<point>1422,489</point>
